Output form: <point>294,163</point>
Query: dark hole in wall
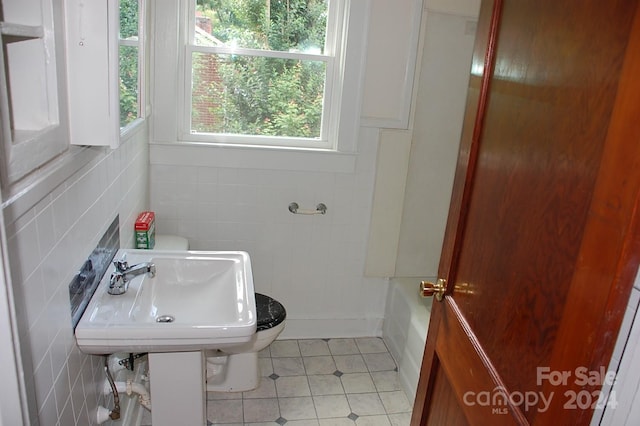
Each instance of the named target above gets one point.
<point>85,282</point>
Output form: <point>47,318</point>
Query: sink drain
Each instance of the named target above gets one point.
<point>165,318</point>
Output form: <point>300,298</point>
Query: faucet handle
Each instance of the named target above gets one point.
<point>117,284</point>
<point>121,265</point>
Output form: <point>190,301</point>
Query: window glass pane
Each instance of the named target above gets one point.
<point>129,19</point>
<point>129,88</point>
<point>281,25</point>
<point>257,95</point>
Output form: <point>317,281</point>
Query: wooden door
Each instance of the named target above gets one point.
<point>542,242</point>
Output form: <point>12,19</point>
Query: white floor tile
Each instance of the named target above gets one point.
<point>373,421</point>
<point>365,404</point>
<point>379,362</point>
<point>319,364</point>
<point>311,422</point>
<point>395,402</point>
<point>350,363</point>
<point>292,386</point>
<point>326,384</point>
<point>357,383</point>
<point>266,389</point>
<point>285,348</point>
<point>288,366</point>
<point>386,381</point>
<point>401,419</point>
<point>328,406</point>
<point>261,410</point>
<point>343,347</point>
<point>319,383</point>
<point>266,367</point>
<point>316,347</point>
<point>371,345</point>
<point>297,408</point>
<point>336,422</point>
<point>216,396</point>
<point>224,411</point>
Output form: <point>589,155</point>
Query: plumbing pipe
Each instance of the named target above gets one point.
<point>131,387</point>
<point>114,363</point>
<point>102,414</point>
<point>115,413</point>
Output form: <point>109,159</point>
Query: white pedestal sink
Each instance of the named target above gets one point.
<point>195,301</point>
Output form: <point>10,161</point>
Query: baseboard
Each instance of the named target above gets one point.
<point>328,328</point>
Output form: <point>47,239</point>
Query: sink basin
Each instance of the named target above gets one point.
<point>196,300</point>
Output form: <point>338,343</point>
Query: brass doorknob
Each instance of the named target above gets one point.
<point>428,289</point>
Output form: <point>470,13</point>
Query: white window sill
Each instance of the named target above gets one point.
<point>131,129</point>
<point>251,157</point>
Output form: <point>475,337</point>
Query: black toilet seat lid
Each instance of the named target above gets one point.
<point>270,312</point>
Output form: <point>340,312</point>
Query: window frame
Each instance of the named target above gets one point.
<point>333,58</point>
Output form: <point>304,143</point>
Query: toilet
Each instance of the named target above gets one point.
<point>236,368</point>
<point>171,242</point>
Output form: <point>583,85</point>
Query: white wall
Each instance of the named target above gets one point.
<point>47,245</point>
<point>441,97</point>
<point>312,264</point>
<point>411,199</point>
<point>224,198</point>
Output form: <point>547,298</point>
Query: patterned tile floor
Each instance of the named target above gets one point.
<point>318,382</point>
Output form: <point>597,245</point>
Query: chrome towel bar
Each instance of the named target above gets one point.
<point>295,209</point>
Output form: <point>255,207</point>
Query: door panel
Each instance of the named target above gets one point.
<point>538,160</point>
<point>449,412</point>
<point>542,244</point>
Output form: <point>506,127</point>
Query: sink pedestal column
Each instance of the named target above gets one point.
<point>178,395</point>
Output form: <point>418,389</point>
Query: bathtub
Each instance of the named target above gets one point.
<point>405,329</point>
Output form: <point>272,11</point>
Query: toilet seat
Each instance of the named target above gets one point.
<point>269,312</point>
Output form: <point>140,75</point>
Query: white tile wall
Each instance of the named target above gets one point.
<point>47,245</point>
<point>314,265</point>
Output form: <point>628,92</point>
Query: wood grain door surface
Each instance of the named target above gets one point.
<point>542,243</point>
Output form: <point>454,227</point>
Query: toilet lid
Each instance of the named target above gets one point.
<point>270,312</point>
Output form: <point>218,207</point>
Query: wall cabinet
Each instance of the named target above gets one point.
<point>32,86</point>
<point>391,63</point>
<point>59,80</point>
<point>92,67</point>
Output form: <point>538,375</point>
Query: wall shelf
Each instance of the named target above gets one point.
<point>12,33</point>
<point>33,118</point>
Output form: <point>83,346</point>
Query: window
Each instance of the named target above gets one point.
<point>131,62</point>
<point>262,71</point>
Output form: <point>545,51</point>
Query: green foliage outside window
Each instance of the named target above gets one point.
<point>129,88</point>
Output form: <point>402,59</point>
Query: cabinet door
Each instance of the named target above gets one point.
<point>32,86</point>
<point>391,61</point>
<point>92,67</point>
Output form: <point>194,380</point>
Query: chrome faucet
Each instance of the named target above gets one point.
<point>119,281</point>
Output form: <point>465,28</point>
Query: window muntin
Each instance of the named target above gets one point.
<point>259,75</point>
<point>131,61</point>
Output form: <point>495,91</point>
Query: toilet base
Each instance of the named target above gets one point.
<point>232,372</point>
